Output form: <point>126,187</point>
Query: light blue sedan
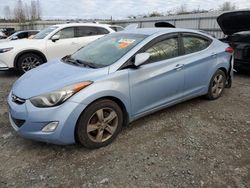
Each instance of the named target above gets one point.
<point>87,97</point>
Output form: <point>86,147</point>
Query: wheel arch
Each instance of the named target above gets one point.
<point>37,52</point>
<point>119,102</point>
<point>224,70</point>
<point>112,98</point>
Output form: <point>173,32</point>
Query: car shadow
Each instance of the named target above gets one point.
<point>9,73</point>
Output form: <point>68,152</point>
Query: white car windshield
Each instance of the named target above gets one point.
<point>42,34</point>
<point>107,50</point>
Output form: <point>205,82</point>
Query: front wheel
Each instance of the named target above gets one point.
<point>217,85</point>
<point>28,61</point>
<point>99,124</point>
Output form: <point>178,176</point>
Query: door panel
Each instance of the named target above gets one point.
<point>61,48</point>
<point>196,72</point>
<point>66,45</point>
<point>197,61</point>
<point>161,80</point>
<point>83,41</point>
<point>155,84</point>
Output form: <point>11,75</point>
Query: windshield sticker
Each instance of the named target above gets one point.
<point>124,43</point>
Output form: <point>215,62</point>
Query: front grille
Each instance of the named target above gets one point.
<point>18,122</point>
<point>17,99</point>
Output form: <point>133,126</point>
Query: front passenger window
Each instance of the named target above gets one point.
<point>67,33</point>
<point>162,50</point>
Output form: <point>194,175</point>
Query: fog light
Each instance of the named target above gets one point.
<point>50,127</point>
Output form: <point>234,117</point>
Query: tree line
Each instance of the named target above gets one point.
<point>183,9</point>
<point>31,12</point>
<point>23,11</point>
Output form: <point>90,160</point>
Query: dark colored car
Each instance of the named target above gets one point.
<point>8,31</point>
<point>23,34</point>
<point>2,35</point>
<point>236,25</point>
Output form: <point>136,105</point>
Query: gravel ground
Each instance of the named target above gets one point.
<point>198,143</point>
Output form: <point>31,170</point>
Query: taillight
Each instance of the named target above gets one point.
<point>229,50</point>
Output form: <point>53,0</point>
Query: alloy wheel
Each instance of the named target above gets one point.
<point>29,63</point>
<point>218,85</point>
<point>102,125</point>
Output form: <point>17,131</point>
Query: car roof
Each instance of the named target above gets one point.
<point>81,24</point>
<point>25,31</point>
<point>152,31</point>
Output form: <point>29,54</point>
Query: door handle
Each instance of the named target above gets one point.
<point>178,67</point>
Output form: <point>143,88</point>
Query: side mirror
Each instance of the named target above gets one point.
<point>55,38</point>
<point>141,58</point>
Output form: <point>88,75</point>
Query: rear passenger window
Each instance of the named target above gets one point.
<point>101,31</point>
<point>84,31</point>
<point>194,44</point>
<point>165,49</point>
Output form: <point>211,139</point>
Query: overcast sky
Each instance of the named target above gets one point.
<point>118,9</point>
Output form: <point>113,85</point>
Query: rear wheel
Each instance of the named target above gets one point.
<point>28,61</point>
<point>99,124</point>
<point>217,85</point>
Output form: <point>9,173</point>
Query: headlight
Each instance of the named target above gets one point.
<point>56,98</point>
<point>3,50</point>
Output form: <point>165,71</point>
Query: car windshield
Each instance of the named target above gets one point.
<point>107,50</point>
<point>11,36</point>
<point>42,34</point>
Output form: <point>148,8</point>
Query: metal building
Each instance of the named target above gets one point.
<point>198,21</point>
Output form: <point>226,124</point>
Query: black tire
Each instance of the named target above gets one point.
<point>212,94</point>
<point>87,138</point>
<point>23,59</point>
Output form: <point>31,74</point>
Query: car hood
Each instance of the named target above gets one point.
<point>20,42</point>
<point>52,76</point>
<point>4,40</point>
<point>233,22</point>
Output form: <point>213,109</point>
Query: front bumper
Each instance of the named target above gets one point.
<point>28,121</point>
<point>3,66</point>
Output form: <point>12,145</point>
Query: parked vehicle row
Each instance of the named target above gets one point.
<point>88,96</point>
<point>53,42</point>
<point>21,35</point>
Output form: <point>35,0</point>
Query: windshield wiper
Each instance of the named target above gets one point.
<point>89,64</point>
<point>80,63</point>
<point>68,59</point>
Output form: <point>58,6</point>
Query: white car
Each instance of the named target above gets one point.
<point>53,42</point>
